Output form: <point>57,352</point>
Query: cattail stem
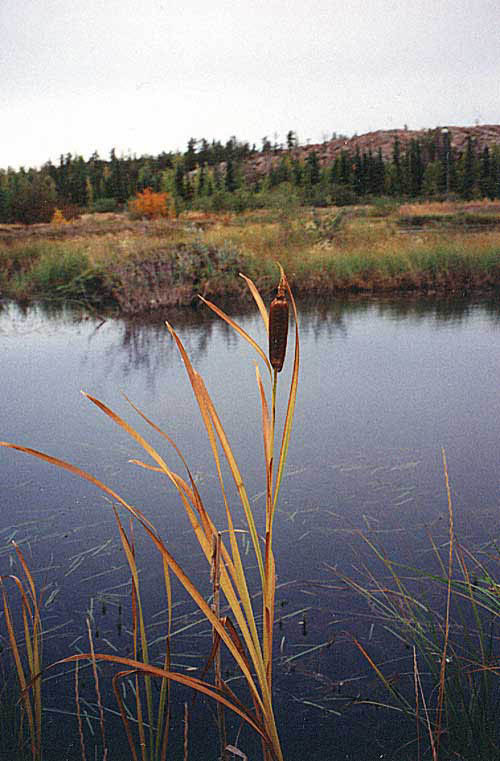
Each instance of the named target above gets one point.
<point>273,418</point>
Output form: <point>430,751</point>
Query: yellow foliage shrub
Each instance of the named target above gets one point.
<point>152,205</point>
<point>58,218</point>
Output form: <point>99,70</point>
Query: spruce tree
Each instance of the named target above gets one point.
<point>358,180</point>
<point>179,186</point>
<point>345,168</point>
<point>190,159</point>
<point>397,175</point>
<point>230,180</point>
<point>469,170</point>
<point>486,181</point>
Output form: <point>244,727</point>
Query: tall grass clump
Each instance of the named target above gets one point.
<point>51,272</point>
<point>26,651</point>
<point>238,633</point>
<point>68,274</point>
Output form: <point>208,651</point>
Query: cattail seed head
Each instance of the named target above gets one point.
<point>278,328</point>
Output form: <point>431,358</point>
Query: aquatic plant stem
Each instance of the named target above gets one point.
<point>442,673</point>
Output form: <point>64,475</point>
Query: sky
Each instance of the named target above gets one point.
<point>144,77</point>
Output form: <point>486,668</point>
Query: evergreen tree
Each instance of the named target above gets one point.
<point>469,170</point>
<point>190,159</point>
<point>358,179</point>
<point>378,178</point>
<point>334,172</point>
<point>179,185</point>
<point>4,198</point>
<point>201,176</point>
<point>76,182</point>
<point>397,174</point>
<point>495,171</point>
<point>284,170</point>
<point>415,168</point>
<point>148,177</point>
<point>266,145</point>
<point>432,179</point>
<point>345,168</point>
<point>486,175</point>
<point>34,198</point>
<point>272,178</point>
<point>297,172</point>
<point>312,169</point>
<point>230,179</point>
<point>209,183</point>
<point>115,183</point>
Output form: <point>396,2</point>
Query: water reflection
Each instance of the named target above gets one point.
<point>144,341</point>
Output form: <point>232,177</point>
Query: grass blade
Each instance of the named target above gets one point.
<point>258,300</point>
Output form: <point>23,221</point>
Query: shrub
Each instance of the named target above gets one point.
<point>105,205</point>
<point>58,218</point>
<point>151,205</point>
<point>343,196</point>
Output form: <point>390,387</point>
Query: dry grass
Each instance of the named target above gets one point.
<point>324,251</point>
<point>449,207</point>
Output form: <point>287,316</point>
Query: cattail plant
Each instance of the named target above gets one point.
<point>278,328</point>
<point>251,650</point>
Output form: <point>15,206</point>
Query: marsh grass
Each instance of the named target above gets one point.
<point>448,622</point>
<point>325,251</point>
<point>14,744</point>
<point>26,653</point>
<point>246,636</point>
<point>54,272</point>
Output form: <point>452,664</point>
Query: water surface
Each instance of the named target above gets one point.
<point>384,386</point>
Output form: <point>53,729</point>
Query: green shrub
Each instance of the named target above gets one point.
<point>105,205</point>
<point>343,195</point>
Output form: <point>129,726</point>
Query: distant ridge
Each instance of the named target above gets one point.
<point>327,152</point>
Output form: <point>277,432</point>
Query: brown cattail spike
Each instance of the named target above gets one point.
<point>278,328</point>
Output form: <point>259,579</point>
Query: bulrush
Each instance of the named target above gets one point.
<point>278,328</point>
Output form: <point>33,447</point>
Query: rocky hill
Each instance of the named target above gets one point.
<point>485,134</point>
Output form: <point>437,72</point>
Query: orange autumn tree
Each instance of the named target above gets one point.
<point>151,205</point>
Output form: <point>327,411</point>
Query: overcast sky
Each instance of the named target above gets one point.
<point>147,75</point>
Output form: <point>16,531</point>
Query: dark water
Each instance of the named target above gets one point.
<point>384,387</point>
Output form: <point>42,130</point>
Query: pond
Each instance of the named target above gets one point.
<point>385,385</point>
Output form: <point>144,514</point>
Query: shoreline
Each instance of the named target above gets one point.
<point>140,267</point>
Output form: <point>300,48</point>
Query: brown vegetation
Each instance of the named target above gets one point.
<point>144,265</point>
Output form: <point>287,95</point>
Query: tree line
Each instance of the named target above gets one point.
<point>216,176</point>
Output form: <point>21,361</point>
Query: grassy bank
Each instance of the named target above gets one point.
<point>139,266</point>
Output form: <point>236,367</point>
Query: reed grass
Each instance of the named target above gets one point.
<point>26,650</point>
<point>250,647</point>
<point>51,271</point>
<point>456,697</point>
